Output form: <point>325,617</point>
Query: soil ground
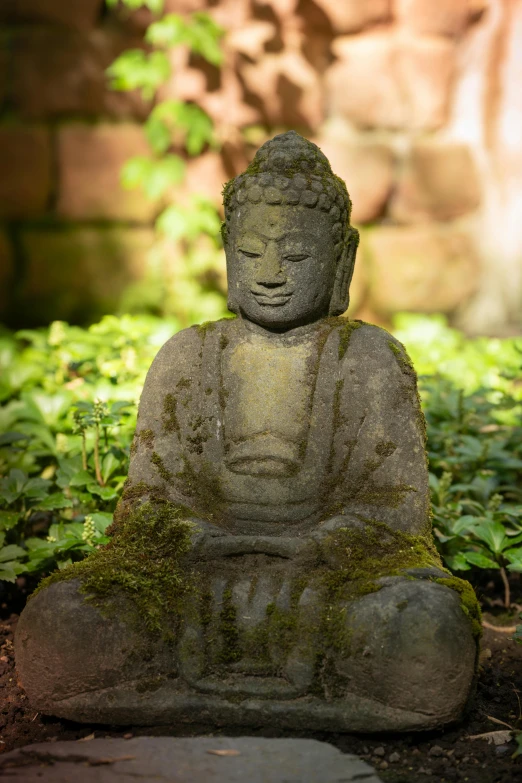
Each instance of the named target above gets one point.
<point>441,757</point>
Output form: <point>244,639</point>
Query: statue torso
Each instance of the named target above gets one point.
<point>268,387</point>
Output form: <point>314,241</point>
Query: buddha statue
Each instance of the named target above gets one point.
<point>271,559</point>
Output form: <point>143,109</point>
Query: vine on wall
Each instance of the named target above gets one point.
<point>186,276</point>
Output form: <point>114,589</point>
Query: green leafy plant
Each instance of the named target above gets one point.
<point>66,435</point>
<point>174,129</point>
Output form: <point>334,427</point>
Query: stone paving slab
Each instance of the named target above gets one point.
<point>185,760</point>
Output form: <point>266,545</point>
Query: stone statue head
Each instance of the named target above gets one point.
<point>289,244</point>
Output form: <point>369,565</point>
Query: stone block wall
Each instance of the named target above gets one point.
<point>414,102</point>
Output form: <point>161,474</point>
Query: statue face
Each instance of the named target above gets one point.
<point>281,264</point>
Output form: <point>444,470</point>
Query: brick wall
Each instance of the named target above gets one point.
<point>414,101</point>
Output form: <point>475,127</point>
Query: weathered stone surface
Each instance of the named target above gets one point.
<point>381,80</point>
<point>56,74</point>
<point>25,163</point>
<point>6,272</point>
<point>73,274</point>
<point>273,542</point>
<point>367,169</point>
<point>421,268</point>
<point>90,161</point>
<point>351,16</point>
<point>187,760</point>
<point>287,88</point>
<point>80,14</point>
<point>446,17</point>
<point>439,181</point>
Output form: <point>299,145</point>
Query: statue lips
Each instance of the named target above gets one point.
<point>275,299</point>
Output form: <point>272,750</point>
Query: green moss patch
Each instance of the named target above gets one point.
<point>142,562</point>
<point>169,417</point>
<point>468,601</point>
<point>373,550</point>
<point>345,334</point>
<point>163,471</point>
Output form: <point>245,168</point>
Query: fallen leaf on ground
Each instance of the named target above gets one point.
<point>499,722</point>
<point>494,737</point>
<point>99,762</point>
<point>225,752</point>
<point>86,739</point>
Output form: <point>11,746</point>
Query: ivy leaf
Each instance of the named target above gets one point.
<point>158,134</point>
<point>81,479</point>
<point>139,70</point>
<point>11,552</point>
<point>493,534</point>
<point>105,493</point>
<point>164,174</point>
<point>480,560</point>
<point>8,519</point>
<point>101,521</point>
<point>56,500</point>
<point>8,438</point>
<point>514,556</point>
<point>9,571</point>
<point>457,562</point>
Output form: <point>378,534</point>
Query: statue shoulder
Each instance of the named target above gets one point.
<point>181,356</point>
<point>367,341</point>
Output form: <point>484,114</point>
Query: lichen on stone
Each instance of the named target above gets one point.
<point>146,437</point>
<point>169,417</point>
<point>160,466</point>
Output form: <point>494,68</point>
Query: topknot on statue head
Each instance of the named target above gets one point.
<point>289,169</point>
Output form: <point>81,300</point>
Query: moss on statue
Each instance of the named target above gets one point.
<point>169,417</point>
<point>468,601</point>
<point>147,437</point>
<point>230,649</point>
<point>160,466</point>
<point>365,553</point>
<point>143,562</point>
<point>345,334</point>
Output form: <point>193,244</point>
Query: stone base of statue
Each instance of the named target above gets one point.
<point>286,644</point>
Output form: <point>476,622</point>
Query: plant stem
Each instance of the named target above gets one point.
<point>507,591</point>
<point>499,628</point>
<point>84,451</point>
<point>97,469</point>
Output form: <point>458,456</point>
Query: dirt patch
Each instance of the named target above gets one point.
<point>409,758</point>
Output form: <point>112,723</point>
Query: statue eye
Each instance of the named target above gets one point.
<point>249,253</point>
<point>297,257</point>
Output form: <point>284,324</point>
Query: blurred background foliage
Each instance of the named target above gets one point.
<point>186,229</point>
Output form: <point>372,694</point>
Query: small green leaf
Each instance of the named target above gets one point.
<point>81,479</point>
<point>514,556</point>
<point>457,562</point>
<point>54,501</point>
<point>8,519</point>
<point>101,521</point>
<point>11,552</point>
<point>480,560</point>
<point>9,571</point>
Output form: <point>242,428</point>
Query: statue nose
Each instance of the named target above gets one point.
<point>270,272</point>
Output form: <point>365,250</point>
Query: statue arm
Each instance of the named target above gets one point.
<point>380,442</point>
<point>165,408</point>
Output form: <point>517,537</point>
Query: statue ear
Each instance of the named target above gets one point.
<point>231,280</point>
<point>340,295</point>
